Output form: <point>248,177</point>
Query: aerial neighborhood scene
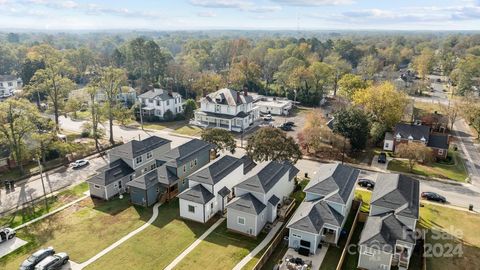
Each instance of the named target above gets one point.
<point>240,134</point>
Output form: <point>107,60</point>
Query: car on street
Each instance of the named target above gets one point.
<point>53,262</point>
<point>382,157</point>
<point>366,183</point>
<point>79,163</point>
<point>268,117</point>
<point>432,196</point>
<point>285,127</point>
<point>35,258</point>
<point>6,234</point>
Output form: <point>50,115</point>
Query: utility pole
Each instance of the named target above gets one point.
<point>343,149</point>
<point>43,184</point>
<point>141,113</point>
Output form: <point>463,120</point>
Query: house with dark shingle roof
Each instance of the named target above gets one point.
<point>170,171</point>
<point>259,195</point>
<point>227,109</point>
<point>210,188</point>
<point>322,215</point>
<point>126,162</point>
<point>387,239</point>
<point>156,102</point>
<point>405,133</point>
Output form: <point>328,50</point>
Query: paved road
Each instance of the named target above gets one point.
<point>54,180</point>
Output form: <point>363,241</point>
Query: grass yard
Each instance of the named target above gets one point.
<point>157,246</point>
<point>189,130</point>
<point>81,230</point>
<point>364,196</point>
<point>38,209</point>
<point>455,171</point>
<point>222,249</point>
<point>461,228</point>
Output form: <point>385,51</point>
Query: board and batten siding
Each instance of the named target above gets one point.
<point>294,237</point>
<point>374,259</point>
<point>253,224</point>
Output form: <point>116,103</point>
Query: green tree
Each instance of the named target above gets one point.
<point>369,66</point>
<point>349,84</point>
<point>424,62</point>
<point>221,138</point>
<point>16,125</point>
<point>414,152</point>
<point>190,107</point>
<point>271,143</point>
<point>340,66</point>
<point>353,124</point>
<point>72,106</point>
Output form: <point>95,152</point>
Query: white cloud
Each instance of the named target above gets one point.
<point>208,14</point>
<point>314,2</point>
<point>236,4</point>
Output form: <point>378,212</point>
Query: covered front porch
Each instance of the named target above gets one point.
<point>230,124</point>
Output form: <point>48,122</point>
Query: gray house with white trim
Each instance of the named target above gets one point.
<point>321,216</point>
<point>387,239</point>
<point>258,197</point>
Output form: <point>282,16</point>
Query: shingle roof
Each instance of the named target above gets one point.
<point>337,178</point>
<point>215,172</point>
<point>248,164</point>
<point>274,200</point>
<point>312,215</point>
<point>4,78</point>
<point>159,94</point>
<point>397,192</point>
<point>224,191</point>
<point>416,131</point>
<point>145,181</point>
<point>111,172</point>
<point>383,231</point>
<point>224,116</point>
<point>247,203</point>
<point>197,194</point>
<point>136,148</point>
<point>266,175</point>
<point>228,97</point>
<point>175,156</point>
<point>438,141</point>
<point>166,175</point>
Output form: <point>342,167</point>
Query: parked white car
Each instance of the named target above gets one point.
<point>79,163</point>
<point>6,234</point>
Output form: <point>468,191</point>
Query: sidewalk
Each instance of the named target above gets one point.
<point>260,247</point>
<point>194,245</point>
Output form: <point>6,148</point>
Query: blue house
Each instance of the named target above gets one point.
<point>169,176</point>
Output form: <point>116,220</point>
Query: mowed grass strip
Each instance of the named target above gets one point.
<point>156,246</point>
<point>82,230</point>
<point>222,249</point>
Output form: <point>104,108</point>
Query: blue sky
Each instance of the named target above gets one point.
<point>240,14</point>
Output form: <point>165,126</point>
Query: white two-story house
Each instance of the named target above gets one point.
<point>157,101</point>
<point>8,84</point>
<point>227,109</point>
<point>322,215</point>
<point>210,188</point>
<point>258,197</point>
<point>388,237</point>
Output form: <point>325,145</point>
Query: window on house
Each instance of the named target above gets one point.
<point>10,84</point>
<point>149,155</point>
<point>158,189</point>
<point>195,162</point>
<point>191,209</point>
<point>184,168</point>
<point>150,100</point>
<point>158,102</point>
<point>366,253</point>
<point>211,206</point>
<point>387,145</point>
<point>241,220</point>
<point>296,235</point>
<point>96,186</point>
<point>440,151</point>
<point>131,177</point>
<point>168,102</point>
<point>153,166</point>
<point>138,160</point>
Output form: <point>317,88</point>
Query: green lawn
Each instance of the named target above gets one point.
<point>157,246</point>
<point>189,130</point>
<point>365,197</point>
<point>222,249</point>
<point>461,229</point>
<point>38,209</point>
<point>81,230</point>
<point>454,171</point>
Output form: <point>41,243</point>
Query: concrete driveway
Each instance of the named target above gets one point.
<point>10,246</point>
<point>380,166</point>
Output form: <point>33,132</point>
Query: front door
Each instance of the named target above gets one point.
<point>120,185</point>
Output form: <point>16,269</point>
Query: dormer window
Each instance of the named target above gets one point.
<point>398,137</point>
<point>423,139</point>
<point>410,138</point>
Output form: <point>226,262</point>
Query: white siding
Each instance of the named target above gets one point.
<point>198,215</point>
<point>295,236</point>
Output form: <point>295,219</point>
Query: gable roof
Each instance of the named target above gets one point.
<point>177,155</point>
<point>224,191</point>
<point>166,175</point>
<point>416,131</point>
<point>111,173</point>
<point>266,175</point>
<point>273,200</point>
<point>384,230</point>
<point>397,192</point>
<point>145,181</point>
<point>197,194</point>
<point>248,164</point>
<point>228,97</point>
<point>338,179</point>
<point>4,78</point>
<point>217,171</point>
<point>438,141</point>
<point>312,215</point>
<point>247,203</point>
<point>135,148</point>
<point>159,94</point>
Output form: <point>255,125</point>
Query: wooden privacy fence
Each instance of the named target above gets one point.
<point>349,238</point>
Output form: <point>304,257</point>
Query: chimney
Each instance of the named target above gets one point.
<point>216,87</point>
<point>204,92</point>
<point>170,93</point>
<point>238,97</point>
<point>245,91</point>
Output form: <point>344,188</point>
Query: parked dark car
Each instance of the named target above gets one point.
<point>290,123</point>
<point>432,196</point>
<point>53,262</point>
<point>35,258</point>
<point>382,157</point>
<point>285,127</point>
<point>366,183</point>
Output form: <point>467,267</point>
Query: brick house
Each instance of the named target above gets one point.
<point>405,133</point>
